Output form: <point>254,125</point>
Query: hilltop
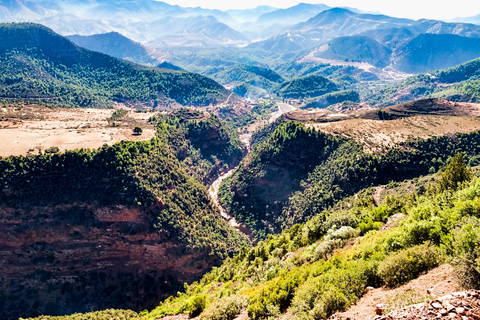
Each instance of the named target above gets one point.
<point>115,45</point>
<point>42,66</point>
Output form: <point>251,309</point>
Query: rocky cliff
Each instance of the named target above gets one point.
<point>64,250</point>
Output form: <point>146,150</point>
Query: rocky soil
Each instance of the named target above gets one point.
<point>459,305</point>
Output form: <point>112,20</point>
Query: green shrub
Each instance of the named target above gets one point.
<point>195,305</point>
<point>332,290</point>
<point>406,265</point>
<point>466,248</point>
<point>368,225</point>
<point>454,174</point>
<point>225,309</point>
<point>342,233</point>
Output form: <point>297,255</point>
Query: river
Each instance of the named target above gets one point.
<point>215,187</point>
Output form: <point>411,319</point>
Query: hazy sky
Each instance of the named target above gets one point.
<point>414,9</point>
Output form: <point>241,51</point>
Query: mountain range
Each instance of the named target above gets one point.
<point>265,35</point>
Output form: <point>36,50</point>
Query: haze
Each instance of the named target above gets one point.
<point>413,9</point>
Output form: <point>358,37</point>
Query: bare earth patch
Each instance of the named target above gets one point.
<point>376,134</point>
<point>30,128</point>
<point>439,282</point>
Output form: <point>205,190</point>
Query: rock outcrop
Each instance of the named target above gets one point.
<point>83,257</point>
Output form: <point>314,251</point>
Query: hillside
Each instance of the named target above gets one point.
<point>428,52</point>
<point>360,247</point>
<point>115,45</point>
<point>39,65</point>
<point>199,31</point>
<point>204,144</point>
<point>99,224</point>
<point>280,183</point>
<point>292,15</point>
<point>458,83</point>
<point>306,87</point>
<point>356,49</point>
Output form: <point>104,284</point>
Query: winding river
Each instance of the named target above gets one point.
<point>215,187</point>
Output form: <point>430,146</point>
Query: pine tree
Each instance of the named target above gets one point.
<point>454,174</point>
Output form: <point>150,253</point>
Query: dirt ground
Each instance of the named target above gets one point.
<point>30,128</point>
<point>439,282</point>
<point>375,134</point>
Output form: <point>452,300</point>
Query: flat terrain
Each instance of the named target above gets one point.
<point>26,129</point>
<point>377,134</point>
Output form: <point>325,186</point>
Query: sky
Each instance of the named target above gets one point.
<point>413,9</point>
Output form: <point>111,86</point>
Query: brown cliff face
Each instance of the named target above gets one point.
<point>82,257</point>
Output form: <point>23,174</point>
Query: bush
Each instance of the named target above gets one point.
<point>406,265</point>
<point>333,290</point>
<point>466,247</point>
<point>195,305</point>
<point>454,174</point>
<point>342,233</point>
<point>225,309</point>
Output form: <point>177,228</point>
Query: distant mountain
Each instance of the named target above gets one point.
<point>250,14</point>
<point>356,49</point>
<point>474,19</point>
<point>292,15</point>
<point>325,26</point>
<point>341,22</point>
<point>115,45</point>
<point>392,37</point>
<point>441,27</point>
<point>435,51</point>
<point>98,16</point>
<point>40,65</point>
<point>198,31</point>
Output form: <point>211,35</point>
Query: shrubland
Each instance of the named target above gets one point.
<point>283,275</point>
<point>296,173</point>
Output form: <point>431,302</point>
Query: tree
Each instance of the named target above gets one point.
<point>137,130</point>
<point>454,173</point>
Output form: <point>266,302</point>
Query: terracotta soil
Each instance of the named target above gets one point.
<point>439,281</point>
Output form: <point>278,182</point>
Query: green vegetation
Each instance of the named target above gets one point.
<point>333,98</point>
<point>99,315</point>
<point>406,265</point>
<point>129,173</point>
<point>454,174</point>
<point>297,173</point>
<point>459,83</point>
<point>306,87</point>
<point>38,65</point>
<point>280,276</point>
<point>274,170</point>
<point>240,118</point>
<point>203,143</point>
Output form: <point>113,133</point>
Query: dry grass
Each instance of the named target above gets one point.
<point>374,135</point>
<point>26,129</point>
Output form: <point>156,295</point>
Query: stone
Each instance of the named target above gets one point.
<point>437,305</point>
<point>460,310</point>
